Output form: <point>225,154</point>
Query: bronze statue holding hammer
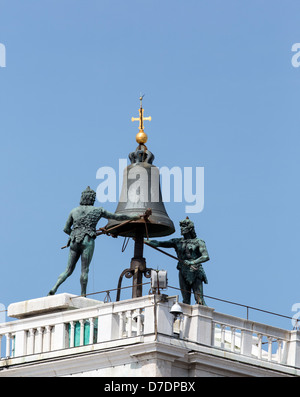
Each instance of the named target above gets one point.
<point>81,227</point>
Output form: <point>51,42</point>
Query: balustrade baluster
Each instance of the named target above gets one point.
<point>81,341</point>
<point>121,324</point>
<point>72,333</point>
<point>279,350</point>
<point>30,345</point>
<point>259,346</point>
<point>39,345</point>
<point>232,339</point>
<point>47,342</point>
<point>222,336</point>
<point>139,323</point>
<point>91,340</point>
<point>129,324</point>
<point>213,331</point>
<point>270,339</point>
<point>7,347</point>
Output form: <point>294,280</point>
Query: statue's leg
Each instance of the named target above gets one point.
<point>198,292</point>
<point>74,255</point>
<point>86,258</point>
<point>185,289</point>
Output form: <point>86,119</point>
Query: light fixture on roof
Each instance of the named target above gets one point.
<point>159,280</point>
<point>176,310</point>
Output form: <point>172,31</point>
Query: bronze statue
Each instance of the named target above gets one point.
<point>191,252</point>
<point>84,220</point>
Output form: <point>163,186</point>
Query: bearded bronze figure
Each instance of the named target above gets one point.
<point>191,252</point>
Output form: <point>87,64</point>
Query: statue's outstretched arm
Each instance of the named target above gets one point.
<point>166,244</point>
<point>119,217</point>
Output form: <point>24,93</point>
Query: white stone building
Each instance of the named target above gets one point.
<point>65,335</point>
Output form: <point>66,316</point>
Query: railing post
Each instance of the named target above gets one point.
<point>20,343</point>
<point>59,340</point>
<point>202,325</point>
<point>293,356</point>
<point>164,319</point>
<point>150,319</point>
<point>107,323</point>
<point>246,342</point>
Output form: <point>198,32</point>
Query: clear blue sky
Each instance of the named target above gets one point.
<point>223,95</point>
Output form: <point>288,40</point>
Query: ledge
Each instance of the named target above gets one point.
<point>49,304</point>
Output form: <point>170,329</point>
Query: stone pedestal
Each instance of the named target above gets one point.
<point>49,304</point>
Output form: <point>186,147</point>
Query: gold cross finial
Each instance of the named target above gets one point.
<point>141,136</point>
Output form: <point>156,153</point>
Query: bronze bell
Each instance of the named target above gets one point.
<point>141,191</point>
<point>140,195</point>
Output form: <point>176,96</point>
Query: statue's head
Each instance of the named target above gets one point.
<point>187,227</point>
<point>88,197</point>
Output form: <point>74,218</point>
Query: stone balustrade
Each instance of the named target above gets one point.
<point>103,325</point>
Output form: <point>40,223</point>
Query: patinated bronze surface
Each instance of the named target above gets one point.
<point>141,192</point>
<point>191,252</point>
<point>81,227</point>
